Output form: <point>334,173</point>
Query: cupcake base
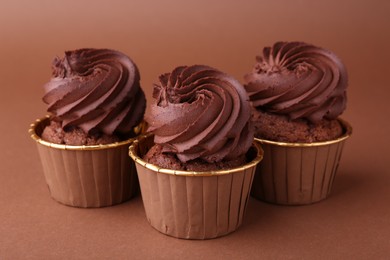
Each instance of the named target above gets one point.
<point>298,173</point>
<point>86,176</point>
<point>193,205</point>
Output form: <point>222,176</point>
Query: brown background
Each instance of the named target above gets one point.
<point>354,223</point>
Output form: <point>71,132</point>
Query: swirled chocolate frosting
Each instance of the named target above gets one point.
<point>95,90</point>
<point>299,80</point>
<point>200,112</point>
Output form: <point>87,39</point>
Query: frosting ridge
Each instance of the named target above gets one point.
<point>299,80</point>
<point>96,90</point>
<point>200,112</point>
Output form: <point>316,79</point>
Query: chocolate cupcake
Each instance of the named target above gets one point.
<point>96,107</point>
<point>197,164</point>
<point>297,92</point>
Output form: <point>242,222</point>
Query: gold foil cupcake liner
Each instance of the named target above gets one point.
<point>86,175</point>
<point>298,173</point>
<point>193,205</point>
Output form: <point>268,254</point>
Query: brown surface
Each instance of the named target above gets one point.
<point>280,128</point>
<point>54,133</point>
<point>156,156</point>
<point>353,223</point>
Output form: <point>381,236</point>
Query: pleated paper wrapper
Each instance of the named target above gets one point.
<point>86,176</point>
<point>193,205</point>
<point>298,173</point>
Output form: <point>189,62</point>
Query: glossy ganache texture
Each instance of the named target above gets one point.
<point>95,90</point>
<point>200,112</point>
<point>298,80</point>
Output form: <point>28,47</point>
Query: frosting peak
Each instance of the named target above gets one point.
<point>299,80</point>
<point>96,90</point>
<point>200,112</point>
